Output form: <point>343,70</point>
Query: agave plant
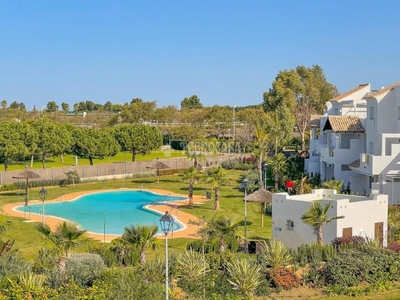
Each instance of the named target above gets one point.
<point>191,265</point>
<point>275,254</point>
<point>245,275</point>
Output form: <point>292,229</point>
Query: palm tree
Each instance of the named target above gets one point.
<point>278,167</point>
<point>217,177</point>
<point>141,237</point>
<point>192,176</point>
<point>333,185</point>
<point>245,275</point>
<point>317,216</point>
<point>262,142</point>
<point>195,151</point>
<point>65,237</point>
<point>224,229</point>
<point>301,186</point>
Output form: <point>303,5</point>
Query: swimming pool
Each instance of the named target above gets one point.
<point>108,212</point>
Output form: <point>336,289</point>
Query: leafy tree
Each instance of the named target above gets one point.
<point>3,104</point>
<point>166,117</point>
<point>53,139</point>
<point>89,105</point>
<point>12,146</point>
<point>195,151</point>
<point>277,164</point>
<point>108,106</point>
<point>394,221</point>
<point>220,117</point>
<point>217,177</point>
<point>21,106</point>
<point>317,216</point>
<point>94,143</point>
<point>14,105</point>
<point>141,237</point>
<point>52,106</point>
<point>137,112</point>
<point>192,102</point>
<point>304,91</point>
<point>192,176</point>
<point>65,106</point>
<point>137,138</point>
<point>30,138</point>
<point>248,117</point>
<point>65,237</point>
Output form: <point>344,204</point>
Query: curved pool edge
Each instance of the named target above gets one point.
<point>189,230</point>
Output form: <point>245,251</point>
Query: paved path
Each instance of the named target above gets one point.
<point>189,230</point>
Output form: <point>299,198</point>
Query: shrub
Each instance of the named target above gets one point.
<point>84,268</point>
<point>284,278</point>
<point>346,269</point>
<point>394,246</point>
<point>353,241</point>
<point>236,164</point>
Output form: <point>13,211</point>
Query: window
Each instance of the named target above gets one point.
<point>372,113</point>
<point>345,168</point>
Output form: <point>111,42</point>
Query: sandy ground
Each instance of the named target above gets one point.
<point>188,230</point>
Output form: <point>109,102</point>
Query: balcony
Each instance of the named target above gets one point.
<point>375,165</point>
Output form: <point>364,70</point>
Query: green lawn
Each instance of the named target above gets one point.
<point>232,206</point>
<point>69,160</point>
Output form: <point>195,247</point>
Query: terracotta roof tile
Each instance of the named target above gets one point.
<point>355,164</point>
<point>348,93</point>
<point>382,91</point>
<point>344,124</point>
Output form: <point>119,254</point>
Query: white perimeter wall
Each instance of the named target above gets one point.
<point>361,213</point>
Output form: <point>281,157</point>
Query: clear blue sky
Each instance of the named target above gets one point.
<point>226,52</point>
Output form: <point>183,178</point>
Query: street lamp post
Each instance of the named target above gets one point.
<point>245,184</point>
<point>265,167</point>
<point>42,195</point>
<point>166,222</point>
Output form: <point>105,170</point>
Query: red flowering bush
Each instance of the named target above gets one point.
<point>353,240</point>
<point>284,278</point>
<point>394,246</point>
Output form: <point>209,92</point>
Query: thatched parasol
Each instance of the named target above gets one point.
<point>158,165</point>
<point>26,174</point>
<point>260,196</point>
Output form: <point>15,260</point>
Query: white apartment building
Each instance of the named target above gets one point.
<point>357,140</point>
<point>363,216</point>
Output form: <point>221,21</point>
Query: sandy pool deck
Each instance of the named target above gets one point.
<point>188,231</point>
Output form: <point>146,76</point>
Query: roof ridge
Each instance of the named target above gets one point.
<point>382,91</point>
<point>349,92</point>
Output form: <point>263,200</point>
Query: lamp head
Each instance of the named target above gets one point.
<point>42,194</point>
<point>166,222</point>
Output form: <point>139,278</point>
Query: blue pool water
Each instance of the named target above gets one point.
<point>112,210</point>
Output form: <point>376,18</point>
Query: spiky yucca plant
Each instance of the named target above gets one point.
<point>191,265</point>
<point>245,275</point>
<point>275,254</point>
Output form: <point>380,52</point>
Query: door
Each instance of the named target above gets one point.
<point>379,233</point>
<point>347,232</point>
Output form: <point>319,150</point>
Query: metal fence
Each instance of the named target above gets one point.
<point>117,170</point>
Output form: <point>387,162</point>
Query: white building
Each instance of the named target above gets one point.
<point>363,216</point>
<point>357,140</point>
